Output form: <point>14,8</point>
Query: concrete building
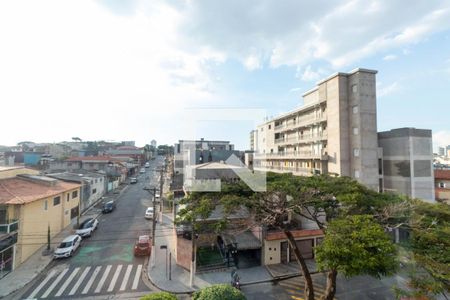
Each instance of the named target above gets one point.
<point>93,185</point>
<point>333,132</point>
<point>153,143</point>
<point>441,151</point>
<point>442,185</point>
<point>194,152</point>
<point>408,162</point>
<point>29,204</point>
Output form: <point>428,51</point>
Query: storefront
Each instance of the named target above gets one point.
<point>7,251</point>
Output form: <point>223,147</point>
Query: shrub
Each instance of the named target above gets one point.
<point>159,296</point>
<point>219,292</point>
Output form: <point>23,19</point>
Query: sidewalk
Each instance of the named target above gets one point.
<point>37,262</point>
<point>179,282</point>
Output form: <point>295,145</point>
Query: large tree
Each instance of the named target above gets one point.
<point>429,244</point>
<point>355,245</point>
<point>321,199</point>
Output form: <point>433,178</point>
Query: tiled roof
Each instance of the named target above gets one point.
<point>92,158</point>
<point>279,235</point>
<point>20,191</point>
<point>442,174</point>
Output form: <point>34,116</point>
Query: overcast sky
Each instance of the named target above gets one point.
<point>133,70</point>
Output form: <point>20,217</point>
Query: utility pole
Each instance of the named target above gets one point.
<point>154,227</point>
<point>193,258</point>
<point>161,182</point>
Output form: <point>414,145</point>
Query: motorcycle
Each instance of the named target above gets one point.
<point>236,283</point>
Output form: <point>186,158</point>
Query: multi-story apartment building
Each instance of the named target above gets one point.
<point>408,162</point>
<point>333,132</point>
<point>194,152</point>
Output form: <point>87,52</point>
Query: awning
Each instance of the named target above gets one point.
<point>244,241</point>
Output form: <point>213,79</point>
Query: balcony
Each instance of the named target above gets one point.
<point>294,155</point>
<point>302,122</point>
<point>11,226</point>
<point>302,139</point>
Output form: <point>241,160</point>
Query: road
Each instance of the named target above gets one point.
<point>356,288</point>
<point>104,264</point>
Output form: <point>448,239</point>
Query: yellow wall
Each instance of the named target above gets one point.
<point>34,221</point>
<point>17,171</point>
<point>275,249</point>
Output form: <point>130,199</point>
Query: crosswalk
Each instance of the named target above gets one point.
<point>89,280</point>
<point>296,289</point>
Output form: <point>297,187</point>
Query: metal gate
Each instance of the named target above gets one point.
<point>305,247</point>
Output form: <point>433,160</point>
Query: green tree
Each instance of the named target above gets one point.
<point>320,199</point>
<point>159,296</point>
<point>219,292</point>
<point>355,245</point>
<point>429,244</point>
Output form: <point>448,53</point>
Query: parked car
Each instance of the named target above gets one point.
<point>133,180</point>
<point>142,171</point>
<point>143,246</point>
<point>67,246</point>
<point>157,195</point>
<point>149,213</point>
<point>108,207</point>
<point>147,165</point>
<point>87,227</point>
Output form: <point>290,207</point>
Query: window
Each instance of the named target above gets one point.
<point>270,126</point>
<point>442,185</point>
<point>354,88</point>
<point>67,198</point>
<point>356,152</point>
<point>94,191</point>
<point>355,130</point>
<point>56,201</point>
<point>74,194</point>
<point>355,109</point>
<point>356,173</point>
<point>45,205</point>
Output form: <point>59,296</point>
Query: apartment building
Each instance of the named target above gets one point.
<point>333,132</point>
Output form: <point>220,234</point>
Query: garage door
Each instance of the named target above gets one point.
<point>306,249</point>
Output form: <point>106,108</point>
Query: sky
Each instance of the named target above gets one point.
<point>136,70</point>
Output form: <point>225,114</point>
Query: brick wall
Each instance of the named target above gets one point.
<point>184,253</point>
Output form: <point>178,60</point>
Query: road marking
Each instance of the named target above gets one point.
<point>38,289</point>
<point>91,280</point>
<point>125,278</point>
<point>114,279</point>
<point>55,283</point>
<point>80,280</point>
<point>67,282</point>
<point>136,277</point>
<point>103,279</point>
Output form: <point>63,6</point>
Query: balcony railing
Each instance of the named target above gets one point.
<point>305,138</point>
<point>9,227</point>
<point>294,155</point>
<point>300,122</point>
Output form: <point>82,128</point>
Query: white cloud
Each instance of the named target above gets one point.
<point>298,32</point>
<point>308,74</point>
<point>390,57</point>
<point>295,89</point>
<point>387,90</point>
<point>252,62</point>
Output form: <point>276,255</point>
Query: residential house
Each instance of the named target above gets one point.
<point>115,170</point>
<point>93,185</point>
<point>137,154</point>
<point>442,185</point>
<point>29,205</point>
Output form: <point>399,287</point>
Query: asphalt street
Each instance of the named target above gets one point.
<point>105,262</point>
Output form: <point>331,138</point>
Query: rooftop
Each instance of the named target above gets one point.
<point>8,168</point>
<point>442,174</point>
<point>21,190</point>
<point>92,158</point>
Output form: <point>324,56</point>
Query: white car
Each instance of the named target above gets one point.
<point>142,171</point>
<point>87,227</point>
<point>157,195</point>
<point>67,246</point>
<point>149,213</point>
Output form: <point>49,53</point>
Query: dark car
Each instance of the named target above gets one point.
<point>108,207</point>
